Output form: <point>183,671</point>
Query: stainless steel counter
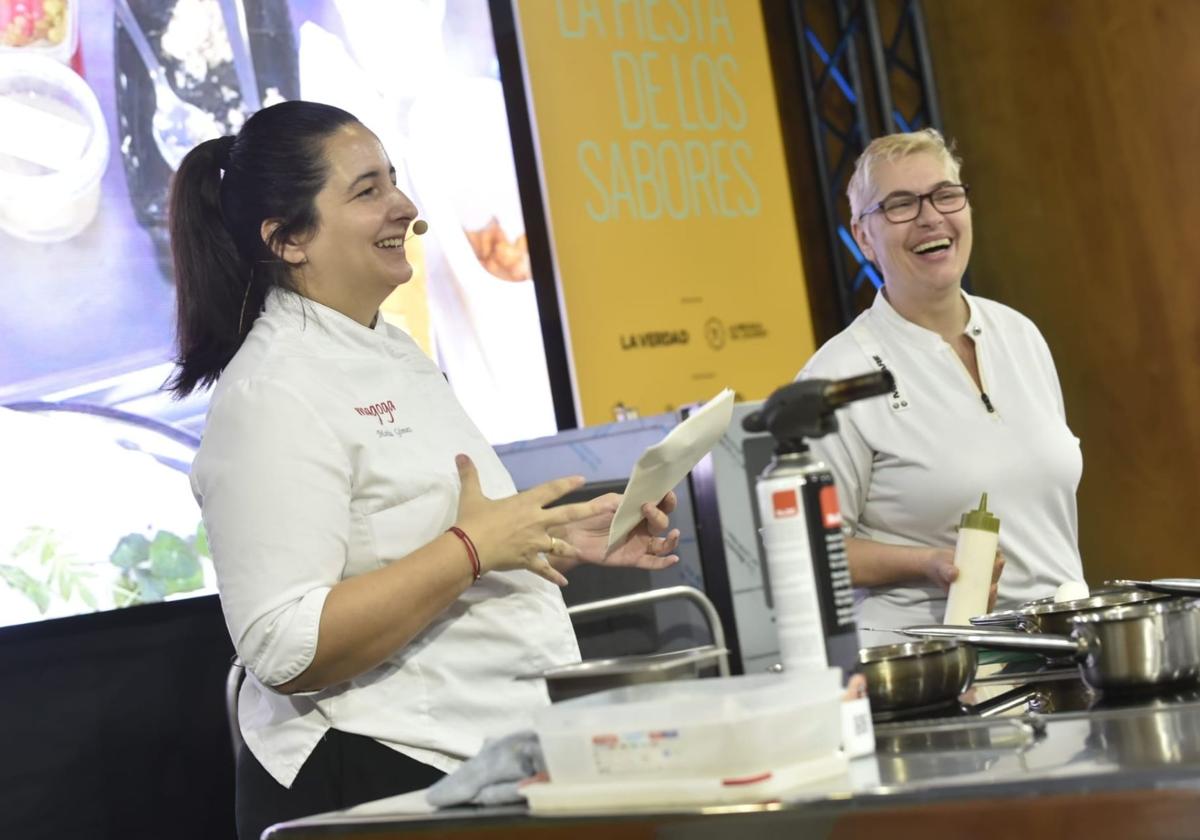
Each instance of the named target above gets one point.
<point>1153,745</point>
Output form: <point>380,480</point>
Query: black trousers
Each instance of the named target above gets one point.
<point>344,770</point>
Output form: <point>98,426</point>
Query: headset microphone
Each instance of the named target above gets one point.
<point>418,229</point>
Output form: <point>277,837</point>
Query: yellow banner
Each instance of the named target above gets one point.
<point>667,193</point>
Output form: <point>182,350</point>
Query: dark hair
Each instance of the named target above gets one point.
<point>273,169</point>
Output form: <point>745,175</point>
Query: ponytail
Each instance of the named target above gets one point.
<point>212,281</point>
<point>223,192</point>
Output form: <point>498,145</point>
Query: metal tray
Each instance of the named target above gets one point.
<point>575,680</point>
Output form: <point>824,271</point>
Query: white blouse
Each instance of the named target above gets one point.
<point>907,466</point>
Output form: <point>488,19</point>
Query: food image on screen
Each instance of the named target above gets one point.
<point>506,259</point>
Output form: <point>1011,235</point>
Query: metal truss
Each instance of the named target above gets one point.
<point>855,52</point>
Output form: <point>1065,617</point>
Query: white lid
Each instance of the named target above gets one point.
<point>696,700</point>
<point>55,137</point>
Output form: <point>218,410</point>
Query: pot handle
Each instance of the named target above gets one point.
<point>1175,586</point>
<point>1017,698</point>
<point>1046,643</point>
<point>1001,618</point>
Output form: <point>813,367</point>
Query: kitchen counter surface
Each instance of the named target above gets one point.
<point>1130,770</point>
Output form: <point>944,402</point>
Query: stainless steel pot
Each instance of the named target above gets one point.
<point>915,674</point>
<point>1129,647</point>
<point>1122,648</point>
<point>1058,618</point>
<point>592,675</point>
<point>1106,588</point>
<point>1050,617</point>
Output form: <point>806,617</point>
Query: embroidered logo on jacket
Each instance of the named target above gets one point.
<point>378,410</point>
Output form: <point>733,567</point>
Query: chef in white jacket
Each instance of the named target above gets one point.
<point>978,406</point>
<point>381,579</point>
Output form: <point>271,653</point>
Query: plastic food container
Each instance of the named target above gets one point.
<point>730,729</point>
<point>53,149</point>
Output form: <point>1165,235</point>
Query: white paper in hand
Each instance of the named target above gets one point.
<point>664,464</point>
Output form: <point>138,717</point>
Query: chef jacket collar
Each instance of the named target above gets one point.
<point>918,335</point>
<point>325,323</point>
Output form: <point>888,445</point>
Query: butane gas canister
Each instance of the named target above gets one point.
<point>806,560</point>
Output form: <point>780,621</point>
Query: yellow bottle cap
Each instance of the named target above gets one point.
<point>980,519</point>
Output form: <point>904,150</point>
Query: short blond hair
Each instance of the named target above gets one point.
<point>891,147</point>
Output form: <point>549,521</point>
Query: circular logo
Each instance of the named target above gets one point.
<point>714,332</point>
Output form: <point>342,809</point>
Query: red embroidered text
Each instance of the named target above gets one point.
<point>378,410</point>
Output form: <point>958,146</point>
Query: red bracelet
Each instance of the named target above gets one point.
<point>472,552</point>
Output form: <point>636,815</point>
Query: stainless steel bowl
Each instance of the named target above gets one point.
<point>592,675</point>
<point>915,674</point>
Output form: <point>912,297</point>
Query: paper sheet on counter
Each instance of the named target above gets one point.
<point>664,464</point>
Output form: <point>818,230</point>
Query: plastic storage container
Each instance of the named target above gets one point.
<point>731,729</point>
<point>53,149</point>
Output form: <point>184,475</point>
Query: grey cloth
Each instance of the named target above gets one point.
<point>493,776</point>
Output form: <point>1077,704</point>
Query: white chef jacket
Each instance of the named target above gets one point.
<point>329,452</point>
<point>909,465</point>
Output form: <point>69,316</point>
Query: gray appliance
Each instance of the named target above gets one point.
<point>605,456</point>
<point>720,550</point>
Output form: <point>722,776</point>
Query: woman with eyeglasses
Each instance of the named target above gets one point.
<point>978,406</point>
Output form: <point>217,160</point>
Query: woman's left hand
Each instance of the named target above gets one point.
<point>646,547</point>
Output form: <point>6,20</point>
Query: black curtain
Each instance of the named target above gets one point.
<point>114,725</point>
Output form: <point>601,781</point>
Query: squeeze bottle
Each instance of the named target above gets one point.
<point>974,557</point>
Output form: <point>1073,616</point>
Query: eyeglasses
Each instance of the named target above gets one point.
<point>905,206</point>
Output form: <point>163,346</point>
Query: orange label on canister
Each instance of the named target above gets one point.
<point>831,514</point>
<point>785,504</point>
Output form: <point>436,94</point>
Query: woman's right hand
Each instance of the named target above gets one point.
<point>513,533</point>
